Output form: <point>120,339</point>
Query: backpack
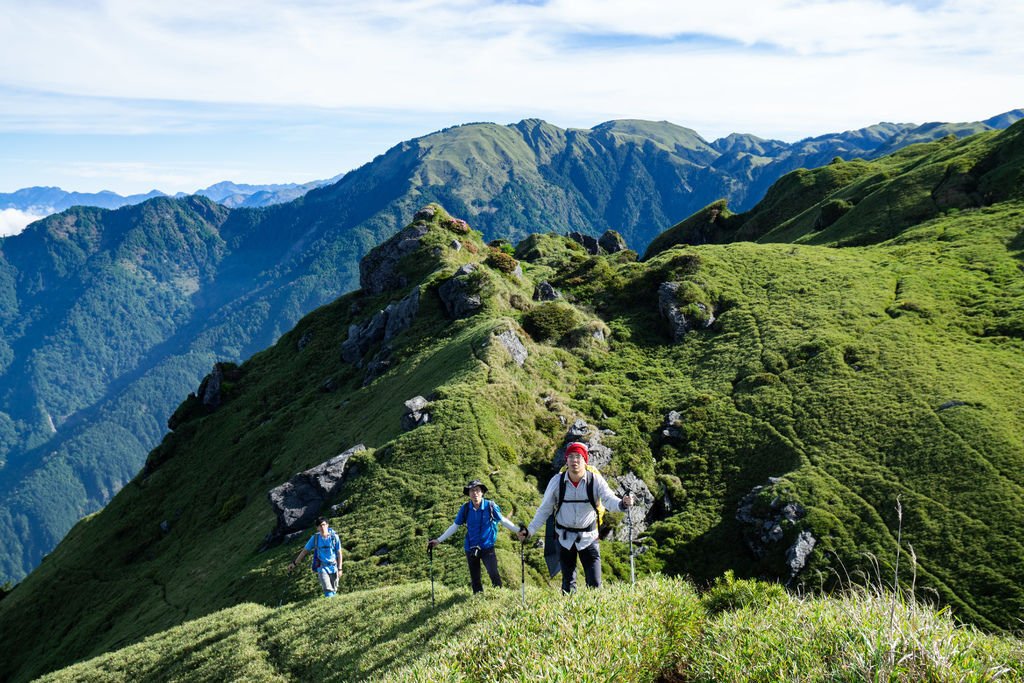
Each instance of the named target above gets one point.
<point>464,511</point>
<point>594,503</point>
<point>332,536</point>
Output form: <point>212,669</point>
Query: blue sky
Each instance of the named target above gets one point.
<point>132,95</point>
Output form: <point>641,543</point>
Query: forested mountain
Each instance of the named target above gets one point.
<point>787,409</point>
<point>109,317</point>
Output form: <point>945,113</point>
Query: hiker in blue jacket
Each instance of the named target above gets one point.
<point>325,546</point>
<point>481,518</point>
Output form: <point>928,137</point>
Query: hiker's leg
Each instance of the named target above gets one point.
<point>334,581</point>
<point>491,563</point>
<point>591,559</point>
<point>474,571</point>
<point>325,582</point>
<point>567,563</point>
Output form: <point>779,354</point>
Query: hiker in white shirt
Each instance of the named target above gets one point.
<point>576,517</point>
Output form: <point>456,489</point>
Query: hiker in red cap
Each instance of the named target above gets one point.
<point>573,497</point>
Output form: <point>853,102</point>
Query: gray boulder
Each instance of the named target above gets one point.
<point>642,505</point>
<point>673,425</point>
<point>797,554</point>
<point>679,322</point>
<point>768,521</point>
<point>459,293</point>
<point>298,501</point>
<point>209,391</point>
<point>588,242</point>
<point>378,365</point>
<point>382,327</point>
<point>545,292</point>
<point>378,271</point>
<point>612,242</point>
<point>425,214</point>
<point>511,342</point>
<point>415,413</point>
<point>401,315</point>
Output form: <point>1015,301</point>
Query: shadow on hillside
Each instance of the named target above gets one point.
<point>1017,244</point>
<point>443,630</point>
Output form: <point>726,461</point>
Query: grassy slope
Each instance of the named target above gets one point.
<point>827,367</point>
<point>658,630</point>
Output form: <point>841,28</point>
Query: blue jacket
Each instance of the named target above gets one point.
<point>481,525</point>
<point>325,551</point>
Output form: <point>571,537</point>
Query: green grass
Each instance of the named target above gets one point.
<point>658,630</point>
<point>857,376</point>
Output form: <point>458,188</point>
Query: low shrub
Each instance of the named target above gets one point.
<point>729,593</point>
<point>550,321</point>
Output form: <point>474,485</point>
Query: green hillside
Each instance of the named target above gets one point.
<point>750,386</point>
<point>659,630</point>
<point>107,318</point>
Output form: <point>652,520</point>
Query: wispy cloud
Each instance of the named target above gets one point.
<point>13,221</point>
<point>779,68</point>
<point>461,54</point>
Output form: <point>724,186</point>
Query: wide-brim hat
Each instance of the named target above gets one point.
<point>475,482</point>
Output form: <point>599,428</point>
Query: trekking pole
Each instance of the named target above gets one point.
<point>522,566</point>
<point>430,552</point>
<point>629,522</point>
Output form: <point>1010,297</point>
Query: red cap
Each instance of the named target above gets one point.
<point>577,447</point>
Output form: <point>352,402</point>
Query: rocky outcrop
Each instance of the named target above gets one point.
<point>588,242</point>
<point>415,413</point>
<point>382,327</point>
<point>460,293</point>
<point>797,554</point>
<point>700,317</point>
<point>672,428</point>
<point>511,342</point>
<point>378,365</point>
<point>769,522</point>
<point>298,502</point>
<point>643,502</point>
<point>401,315</point>
<point>304,340</point>
<point>379,270</point>
<point>544,291</point>
<point>612,242</point>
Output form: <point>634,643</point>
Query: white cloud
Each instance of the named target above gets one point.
<point>776,68</point>
<point>13,221</point>
<point>461,55</point>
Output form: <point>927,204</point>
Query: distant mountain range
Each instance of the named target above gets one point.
<point>43,201</point>
<point>108,318</point>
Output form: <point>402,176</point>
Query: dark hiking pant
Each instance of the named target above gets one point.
<point>474,556</point>
<point>590,557</point>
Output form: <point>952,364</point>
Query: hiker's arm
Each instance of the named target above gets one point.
<point>611,502</point>
<point>447,533</point>
<point>509,524</point>
<point>298,558</point>
<point>546,506</point>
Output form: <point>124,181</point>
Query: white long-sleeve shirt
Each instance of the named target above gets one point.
<point>576,515</point>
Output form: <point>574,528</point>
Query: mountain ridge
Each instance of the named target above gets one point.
<point>847,395</point>
<point>278,263</point>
